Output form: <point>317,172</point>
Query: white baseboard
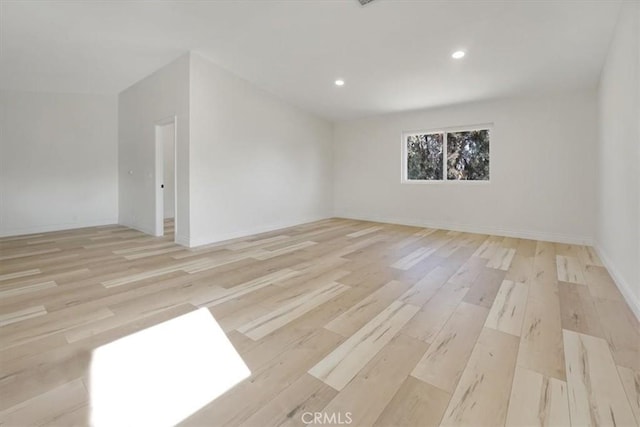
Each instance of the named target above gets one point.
<point>150,232</point>
<point>621,283</point>
<point>57,227</point>
<point>223,237</point>
<point>182,240</point>
<point>478,229</point>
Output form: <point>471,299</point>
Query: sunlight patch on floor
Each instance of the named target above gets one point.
<point>161,375</point>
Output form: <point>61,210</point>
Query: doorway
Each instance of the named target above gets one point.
<point>165,178</point>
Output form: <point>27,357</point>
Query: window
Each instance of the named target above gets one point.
<point>467,155</point>
<point>424,156</point>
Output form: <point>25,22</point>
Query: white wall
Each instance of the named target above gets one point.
<point>542,170</point>
<point>256,163</point>
<point>618,219</point>
<point>167,136</point>
<point>58,161</point>
<point>156,98</point>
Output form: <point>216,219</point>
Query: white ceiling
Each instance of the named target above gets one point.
<point>394,55</point>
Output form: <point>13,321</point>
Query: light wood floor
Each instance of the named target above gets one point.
<point>394,325</point>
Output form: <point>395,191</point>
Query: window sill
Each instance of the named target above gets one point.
<point>448,182</point>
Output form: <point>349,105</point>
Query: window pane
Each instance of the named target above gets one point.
<point>424,157</point>
<point>468,155</point>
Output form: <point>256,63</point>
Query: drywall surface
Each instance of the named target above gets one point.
<point>58,161</point>
<point>256,163</point>
<point>152,101</point>
<point>618,207</point>
<point>542,180</point>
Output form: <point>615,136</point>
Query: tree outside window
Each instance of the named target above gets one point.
<point>467,156</point>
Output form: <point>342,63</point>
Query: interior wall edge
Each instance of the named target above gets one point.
<point>618,279</point>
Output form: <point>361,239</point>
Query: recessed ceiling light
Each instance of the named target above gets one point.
<point>339,82</point>
<point>458,54</point>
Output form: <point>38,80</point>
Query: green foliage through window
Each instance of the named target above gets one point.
<point>424,157</point>
<point>467,156</point>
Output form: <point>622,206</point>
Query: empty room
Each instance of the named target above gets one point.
<point>319,212</point>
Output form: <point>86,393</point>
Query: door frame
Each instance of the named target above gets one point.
<point>159,175</point>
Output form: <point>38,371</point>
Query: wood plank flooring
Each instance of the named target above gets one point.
<point>375,324</point>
